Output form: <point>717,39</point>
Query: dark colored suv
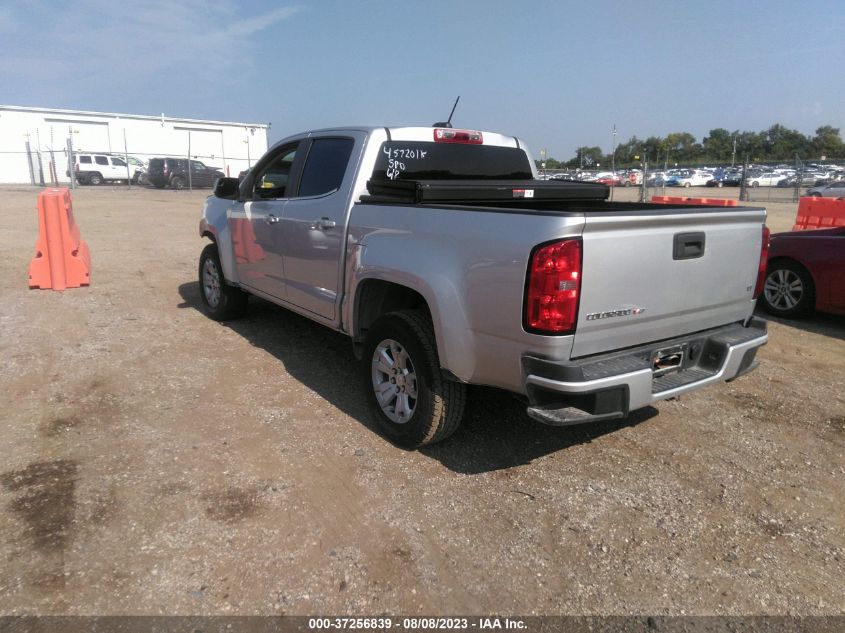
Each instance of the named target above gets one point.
<point>173,172</point>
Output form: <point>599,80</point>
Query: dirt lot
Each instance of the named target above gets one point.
<point>155,461</point>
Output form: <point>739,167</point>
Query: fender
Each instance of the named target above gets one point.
<point>215,222</point>
<point>431,269</point>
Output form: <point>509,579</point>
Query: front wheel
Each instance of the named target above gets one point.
<point>412,402</point>
<point>788,291</point>
<point>220,301</point>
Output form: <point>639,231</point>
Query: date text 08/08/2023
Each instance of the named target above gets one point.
<point>412,624</point>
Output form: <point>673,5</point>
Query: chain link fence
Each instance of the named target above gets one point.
<point>52,165</point>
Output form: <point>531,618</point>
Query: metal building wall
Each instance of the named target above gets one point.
<point>33,139</point>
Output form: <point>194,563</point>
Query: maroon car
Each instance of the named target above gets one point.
<point>806,272</point>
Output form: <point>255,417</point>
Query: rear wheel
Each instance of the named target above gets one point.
<point>789,291</point>
<point>178,182</point>
<point>95,179</point>
<point>755,184</point>
<point>412,402</point>
<point>815,194</point>
<point>220,301</point>
<point>687,185</point>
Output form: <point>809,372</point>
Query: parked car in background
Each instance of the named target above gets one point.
<point>611,180</point>
<point>766,179</point>
<point>139,169</point>
<point>730,179</point>
<point>95,169</point>
<point>173,172</point>
<point>806,272</point>
<point>693,179</point>
<point>633,178</point>
<point>835,189</point>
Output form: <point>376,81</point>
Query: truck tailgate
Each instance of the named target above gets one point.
<point>651,275</point>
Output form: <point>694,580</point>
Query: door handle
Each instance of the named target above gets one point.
<point>272,219</point>
<point>323,223</point>
<point>688,245</point>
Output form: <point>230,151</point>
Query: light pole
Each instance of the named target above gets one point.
<point>613,160</point>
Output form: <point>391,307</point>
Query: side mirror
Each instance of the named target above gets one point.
<point>226,188</point>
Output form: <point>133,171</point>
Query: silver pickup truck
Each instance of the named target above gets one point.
<point>447,263</point>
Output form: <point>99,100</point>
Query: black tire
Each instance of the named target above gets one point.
<point>754,185</point>
<point>788,291</point>
<point>437,409</point>
<point>177,183</point>
<point>815,194</point>
<point>220,301</point>
<point>95,179</point>
<point>159,186</point>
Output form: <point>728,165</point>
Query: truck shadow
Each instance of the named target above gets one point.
<point>831,325</point>
<point>496,432</point>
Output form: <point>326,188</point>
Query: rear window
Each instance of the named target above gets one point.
<point>85,159</point>
<point>101,160</point>
<point>156,163</point>
<point>420,160</point>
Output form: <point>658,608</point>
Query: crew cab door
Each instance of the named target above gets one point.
<point>255,221</point>
<point>314,224</point>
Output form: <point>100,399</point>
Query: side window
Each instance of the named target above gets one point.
<point>85,160</point>
<point>325,166</point>
<point>118,162</point>
<point>101,160</point>
<point>197,166</point>
<point>272,181</point>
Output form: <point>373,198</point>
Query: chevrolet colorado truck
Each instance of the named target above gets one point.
<point>448,264</point>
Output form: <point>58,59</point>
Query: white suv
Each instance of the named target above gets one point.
<point>94,169</point>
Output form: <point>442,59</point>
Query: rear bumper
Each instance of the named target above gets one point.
<point>609,386</point>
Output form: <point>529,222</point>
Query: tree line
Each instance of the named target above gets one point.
<point>777,144</point>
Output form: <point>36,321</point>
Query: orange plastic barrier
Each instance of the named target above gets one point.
<point>709,202</point>
<point>62,260</point>
<point>819,213</point>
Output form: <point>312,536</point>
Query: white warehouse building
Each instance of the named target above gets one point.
<point>34,141</point>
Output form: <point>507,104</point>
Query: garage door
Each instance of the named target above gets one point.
<point>206,145</point>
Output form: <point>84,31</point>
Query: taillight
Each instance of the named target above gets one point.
<point>553,287</point>
<point>764,260</point>
<point>448,135</point>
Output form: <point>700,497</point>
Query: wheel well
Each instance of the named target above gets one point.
<point>376,297</point>
<point>794,262</point>
<point>210,236</point>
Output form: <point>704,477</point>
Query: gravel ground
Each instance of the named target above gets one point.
<point>157,462</point>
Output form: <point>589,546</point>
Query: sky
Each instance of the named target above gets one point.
<point>557,74</point>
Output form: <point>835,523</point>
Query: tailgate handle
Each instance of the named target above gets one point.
<point>688,245</point>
